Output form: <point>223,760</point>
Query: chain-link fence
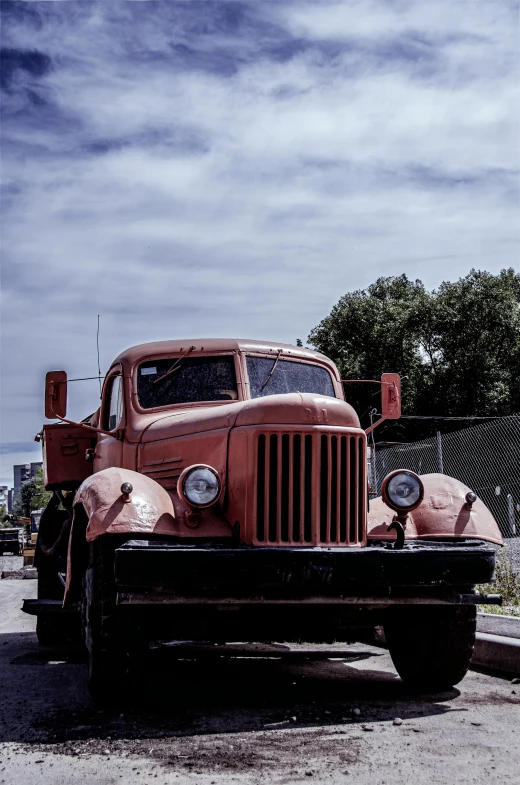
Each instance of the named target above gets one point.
<point>485,457</point>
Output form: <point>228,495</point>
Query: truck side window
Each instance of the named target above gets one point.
<point>115,403</point>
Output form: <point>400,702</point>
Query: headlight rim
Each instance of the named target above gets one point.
<point>182,479</point>
<point>388,501</point>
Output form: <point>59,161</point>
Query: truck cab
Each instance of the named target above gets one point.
<point>232,474</point>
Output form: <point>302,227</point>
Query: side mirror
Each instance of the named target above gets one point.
<point>390,396</point>
<point>56,395</point>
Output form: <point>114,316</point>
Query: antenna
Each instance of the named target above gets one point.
<point>98,363</point>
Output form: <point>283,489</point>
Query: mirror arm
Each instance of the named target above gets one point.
<point>375,425</point>
<point>83,425</point>
<point>383,384</point>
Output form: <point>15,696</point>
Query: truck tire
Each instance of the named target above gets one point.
<point>56,629</point>
<point>116,644</point>
<point>431,646</point>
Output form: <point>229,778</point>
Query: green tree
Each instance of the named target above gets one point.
<point>477,343</point>
<point>32,496</point>
<point>457,349</point>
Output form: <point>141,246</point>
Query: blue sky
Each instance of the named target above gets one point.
<point>232,168</point>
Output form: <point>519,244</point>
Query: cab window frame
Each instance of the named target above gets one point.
<point>188,404</point>
<point>295,359</point>
<point>112,375</point>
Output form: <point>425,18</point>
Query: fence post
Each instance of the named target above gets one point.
<point>439,453</point>
<point>511,514</point>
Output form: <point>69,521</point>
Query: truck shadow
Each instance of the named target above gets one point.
<point>45,698</point>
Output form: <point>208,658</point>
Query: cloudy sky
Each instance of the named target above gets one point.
<point>193,168</point>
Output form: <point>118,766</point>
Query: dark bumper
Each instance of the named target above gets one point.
<point>161,573</point>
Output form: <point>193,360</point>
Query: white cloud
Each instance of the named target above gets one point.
<point>181,182</point>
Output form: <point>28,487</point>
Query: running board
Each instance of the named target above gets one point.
<point>35,607</point>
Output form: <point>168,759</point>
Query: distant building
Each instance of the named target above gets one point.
<point>10,496</point>
<point>22,473</point>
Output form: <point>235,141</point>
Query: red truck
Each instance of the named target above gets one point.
<point>220,493</point>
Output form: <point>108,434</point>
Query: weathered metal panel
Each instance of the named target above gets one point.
<point>443,513</point>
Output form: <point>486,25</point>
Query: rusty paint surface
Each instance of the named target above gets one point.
<point>307,487</point>
<point>298,486</point>
<point>149,508</point>
<point>442,513</point>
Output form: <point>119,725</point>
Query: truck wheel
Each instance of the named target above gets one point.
<point>116,644</point>
<point>431,646</point>
<point>61,630</point>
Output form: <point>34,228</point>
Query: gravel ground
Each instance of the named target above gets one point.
<point>512,548</point>
<point>11,562</point>
<point>347,719</point>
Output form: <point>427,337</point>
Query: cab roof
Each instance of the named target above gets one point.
<point>212,345</point>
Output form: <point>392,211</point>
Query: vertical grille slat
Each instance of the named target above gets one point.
<point>352,491</point>
<point>297,487</point>
<point>273,486</point>
<point>310,488</point>
<point>335,482</point>
<point>343,491</point>
<point>307,489</point>
<point>282,524</point>
<point>324,488</point>
<point>260,489</point>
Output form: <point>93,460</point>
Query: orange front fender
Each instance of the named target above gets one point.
<point>442,514</point>
<point>148,510</point>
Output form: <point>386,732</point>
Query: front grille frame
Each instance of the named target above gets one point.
<point>310,487</point>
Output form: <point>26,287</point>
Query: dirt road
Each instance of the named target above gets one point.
<point>246,720</point>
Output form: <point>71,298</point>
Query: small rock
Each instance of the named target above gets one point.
<point>515,681</point>
<point>476,723</point>
<point>326,712</point>
<point>398,721</point>
<point>366,727</point>
<point>357,712</point>
<point>513,692</point>
<point>308,773</point>
<point>294,719</point>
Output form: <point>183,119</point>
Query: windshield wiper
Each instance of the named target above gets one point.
<point>272,369</point>
<point>175,366</point>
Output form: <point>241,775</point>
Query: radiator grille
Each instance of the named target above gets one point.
<point>310,488</point>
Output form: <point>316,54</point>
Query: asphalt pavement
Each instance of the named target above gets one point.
<point>347,719</point>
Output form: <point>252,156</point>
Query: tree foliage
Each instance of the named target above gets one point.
<point>32,496</point>
<point>457,348</point>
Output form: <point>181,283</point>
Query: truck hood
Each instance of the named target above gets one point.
<point>303,409</point>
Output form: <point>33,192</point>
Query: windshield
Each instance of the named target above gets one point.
<point>272,376</point>
<point>191,379</point>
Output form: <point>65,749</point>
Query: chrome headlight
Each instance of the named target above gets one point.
<point>199,486</point>
<point>402,490</point>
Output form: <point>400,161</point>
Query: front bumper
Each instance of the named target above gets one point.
<point>165,573</point>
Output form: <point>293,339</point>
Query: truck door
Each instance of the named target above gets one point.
<point>65,448</point>
<point>109,448</point>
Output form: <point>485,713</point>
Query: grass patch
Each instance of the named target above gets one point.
<point>506,583</point>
